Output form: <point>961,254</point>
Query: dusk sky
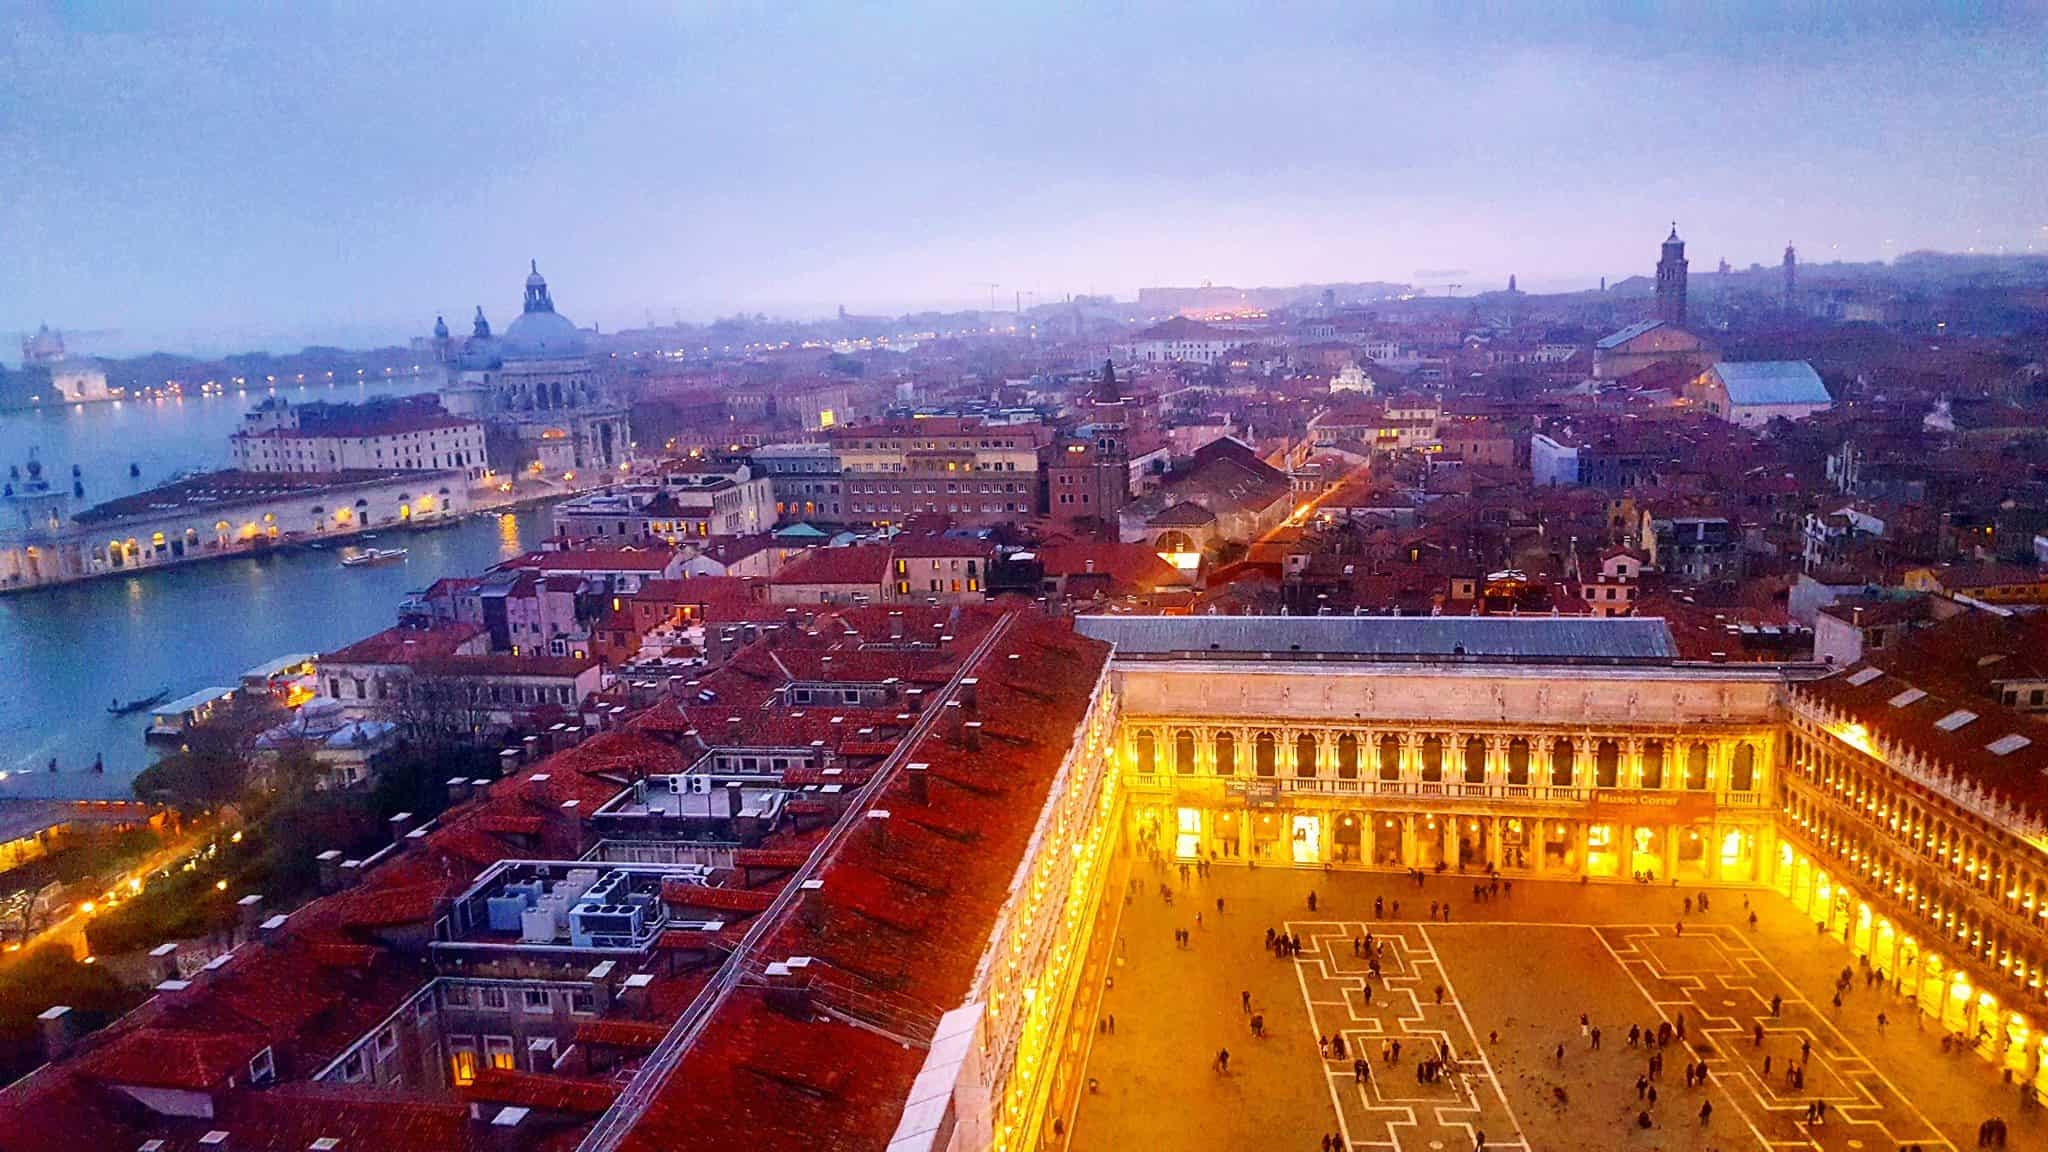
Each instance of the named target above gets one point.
<point>186,174</point>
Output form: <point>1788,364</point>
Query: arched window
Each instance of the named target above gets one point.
<point>1432,759</point>
<point>1390,757</point>
<point>1561,755</point>
<point>1226,754</point>
<point>1743,776</point>
<point>1264,755</point>
<point>1607,765</point>
<point>1475,761</point>
<point>1146,753</point>
<point>1653,764</point>
<point>1184,752</point>
<point>1696,767</point>
<point>1518,761</point>
<point>1347,757</point>
<point>1304,755</point>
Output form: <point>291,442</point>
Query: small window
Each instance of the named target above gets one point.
<point>492,997</point>
<point>583,1002</point>
<point>387,1042</point>
<point>455,995</point>
<point>537,1000</point>
<point>498,1051</point>
<point>263,1068</point>
<point>352,1068</point>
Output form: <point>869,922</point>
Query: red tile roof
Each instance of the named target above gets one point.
<point>866,564</point>
<point>405,645</point>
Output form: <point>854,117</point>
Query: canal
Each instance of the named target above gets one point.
<point>66,652</point>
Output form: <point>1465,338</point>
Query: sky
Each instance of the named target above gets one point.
<point>194,175</point>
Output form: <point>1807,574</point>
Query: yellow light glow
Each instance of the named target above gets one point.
<point>220,885</point>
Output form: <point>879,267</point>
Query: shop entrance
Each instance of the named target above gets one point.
<point>1307,839</point>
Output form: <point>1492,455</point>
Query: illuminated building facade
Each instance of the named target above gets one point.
<point>1914,832</point>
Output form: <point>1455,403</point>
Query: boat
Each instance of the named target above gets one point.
<point>369,556</point>
<point>139,703</point>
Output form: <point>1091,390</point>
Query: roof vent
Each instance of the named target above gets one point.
<point>1955,720</point>
<point>214,1139</point>
<point>1864,676</point>
<point>1909,696</point>
<point>323,1144</point>
<point>2007,745</point>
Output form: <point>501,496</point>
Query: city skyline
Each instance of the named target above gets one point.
<point>664,165</point>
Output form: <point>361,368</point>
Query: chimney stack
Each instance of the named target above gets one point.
<point>636,995</point>
<point>954,715</point>
<point>271,931</point>
<point>970,694</point>
<point>896,626</point>
<point>458,790</point>
<point>789,986</point>
<point>970,735</point>
<point>917,780</point>
<point>812,907</point>
<point>733,727</point>
<point>878,820</point>
<point>60,1031</point>
<point>330,870</point>
<point>250,910</point>
<point>163,963</point>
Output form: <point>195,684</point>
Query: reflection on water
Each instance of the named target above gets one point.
<point>64,652</point>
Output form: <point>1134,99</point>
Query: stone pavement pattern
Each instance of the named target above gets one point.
<point>1517,971</point>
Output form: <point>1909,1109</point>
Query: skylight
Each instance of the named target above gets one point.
<point>2007,745</point>
<point>1955,720</point>
<point>1864,676</point>
<point>1909,696</point>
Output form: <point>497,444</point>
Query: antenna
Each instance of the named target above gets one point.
<point>991,286</point>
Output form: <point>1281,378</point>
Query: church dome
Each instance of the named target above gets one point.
<point>540,333</point>
<point>541,336</point>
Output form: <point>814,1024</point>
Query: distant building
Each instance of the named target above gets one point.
<point>1180,340</point>
<point>977,473</point>
<point>51,376</point>
<point>537,389</point>
<point>395,436</point>
<point>1671,266</point>
<point>1651,342</point>
<point>1755,392</point>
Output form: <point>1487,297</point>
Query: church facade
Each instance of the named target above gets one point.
<point>537,390</point>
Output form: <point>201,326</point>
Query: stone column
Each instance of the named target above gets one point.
<point>1670,852</point>
<point>1408,844</point>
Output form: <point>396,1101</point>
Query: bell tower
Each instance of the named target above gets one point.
<point>1671,280</point>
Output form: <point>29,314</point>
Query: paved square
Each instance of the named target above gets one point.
<point>1515,973</point>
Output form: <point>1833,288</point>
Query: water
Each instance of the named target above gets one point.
<point>66,651</point>
<point>163,437</point>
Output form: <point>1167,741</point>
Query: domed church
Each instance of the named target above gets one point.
<point>538,388</point>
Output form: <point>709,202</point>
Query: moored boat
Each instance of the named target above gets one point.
<point>368,556</point>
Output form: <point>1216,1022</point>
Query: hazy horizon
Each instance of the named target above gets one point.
<point>328,176</point>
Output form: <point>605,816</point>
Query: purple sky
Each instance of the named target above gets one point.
<point>188,174</point>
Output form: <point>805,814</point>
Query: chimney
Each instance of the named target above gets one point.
<point>163,963</point>
<point>812,907</point>
<point>954,715</point>
<point>271,931</point>
<point>250,914</point>
<point>970,735</point>
<point>917,779</point>
<point>458,790</point>
<point>508,761</point>
<point>970,695</point>
<point>399,825</point>
<point>915,698</point>
<point>878,820</point>
<point>733,727</point>
<point>789,986</point>
<point>60,1031</point>
<point>790,616</point>
<point>351,873</point>
<point>896,626</point>
<point>330,870</point>
<point>508,1130</point>
<point>636,995</point>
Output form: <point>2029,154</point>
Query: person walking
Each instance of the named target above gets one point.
<point>1706,1112</point>
<point>1596,1039</point>
<point>1244,1001</point>
<point>1223,1061</point>
<point>1311,900</point>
